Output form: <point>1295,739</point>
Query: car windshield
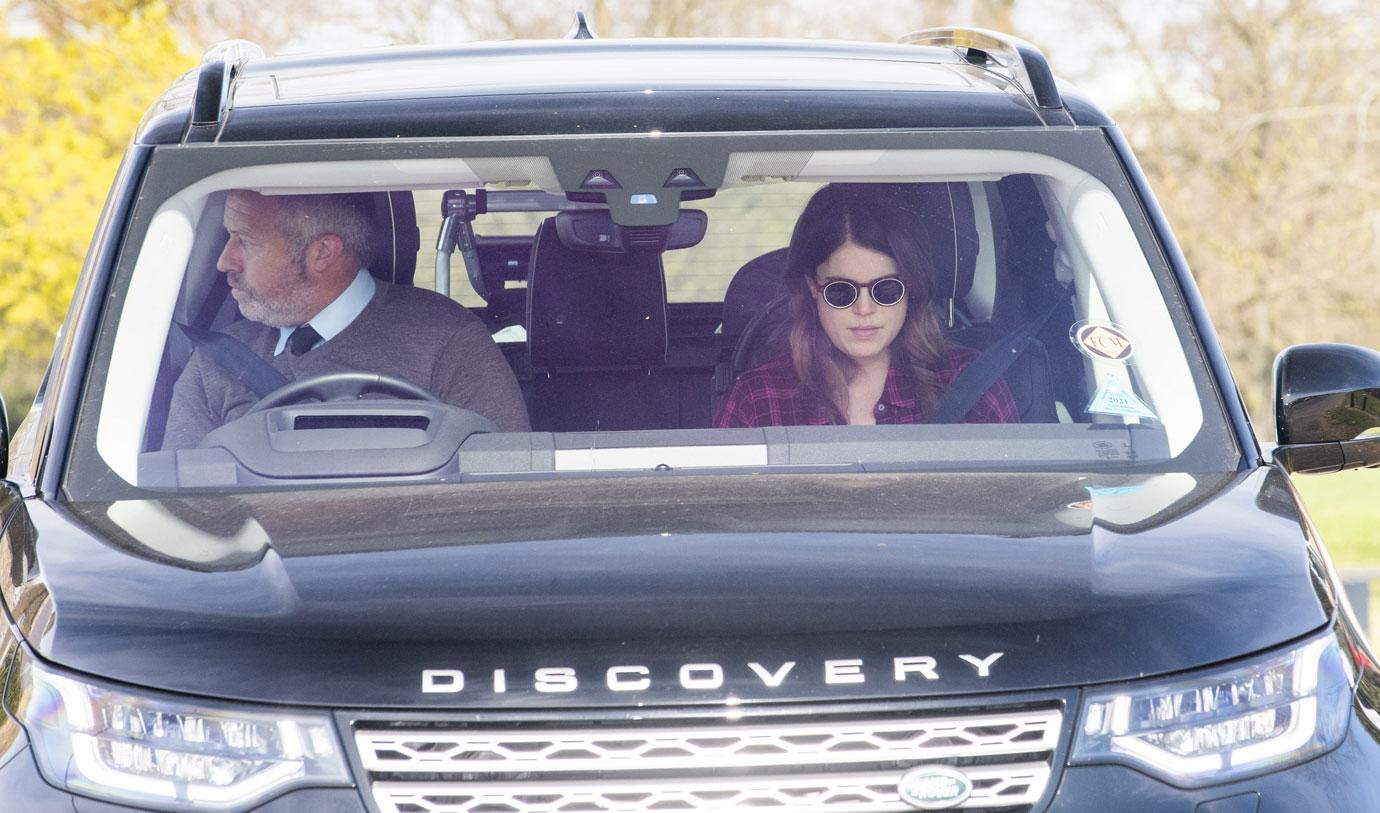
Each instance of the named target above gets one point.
<point>565,308</point>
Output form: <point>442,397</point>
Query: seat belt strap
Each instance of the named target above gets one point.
<point>236,358</point>
<point>979,376</point>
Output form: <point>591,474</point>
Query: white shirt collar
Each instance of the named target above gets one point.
<point>338,315</point>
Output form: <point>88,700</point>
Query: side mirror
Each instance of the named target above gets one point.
<point>1327,402</point>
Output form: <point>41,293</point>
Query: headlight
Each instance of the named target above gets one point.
<point>1223,724</point>
<point>165,753</point>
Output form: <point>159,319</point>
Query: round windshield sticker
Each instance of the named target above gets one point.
<point>1101,340</point>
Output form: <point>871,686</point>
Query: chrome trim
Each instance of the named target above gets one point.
<point>646,748</point>
<point>773,765</point>
<point>872,792</point>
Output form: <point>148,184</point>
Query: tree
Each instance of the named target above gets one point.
<point>73,97</point>
<point>1259,128</point>
<point>885,20</point>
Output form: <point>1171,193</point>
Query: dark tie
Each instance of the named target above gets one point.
<point>302,339</point>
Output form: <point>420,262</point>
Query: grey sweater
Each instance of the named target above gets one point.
<point>409,333</point>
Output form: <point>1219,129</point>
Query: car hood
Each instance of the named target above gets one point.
<point>675,589</point>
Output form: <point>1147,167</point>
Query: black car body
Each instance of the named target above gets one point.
<point>1074,613</point>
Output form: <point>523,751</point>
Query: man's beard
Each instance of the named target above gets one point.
<point>287,311</point>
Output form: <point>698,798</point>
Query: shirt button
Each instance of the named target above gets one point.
<point>881,407</point>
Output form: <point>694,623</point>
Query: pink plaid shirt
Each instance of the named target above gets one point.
<point>771,395</point>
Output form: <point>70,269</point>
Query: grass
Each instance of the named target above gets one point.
<point>1346,508</point>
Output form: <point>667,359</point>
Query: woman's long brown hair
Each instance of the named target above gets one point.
<point>881,217</point>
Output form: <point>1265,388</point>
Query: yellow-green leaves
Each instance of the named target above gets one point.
<point>70,103</point>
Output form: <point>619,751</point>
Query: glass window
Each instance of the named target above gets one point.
<point>599,345</point>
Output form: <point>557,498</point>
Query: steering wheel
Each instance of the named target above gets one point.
<point>340,387</point>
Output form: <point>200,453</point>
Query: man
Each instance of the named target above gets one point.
<point>293,264</point>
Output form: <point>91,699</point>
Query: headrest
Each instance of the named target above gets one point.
<point>589,309</point>
<point>207,244</point>
<point>755,285</point>
<point>396,237</point>
<point>943,210</point>
<point>394,259</point>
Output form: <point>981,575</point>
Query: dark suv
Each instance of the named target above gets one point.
<point>355,593</point>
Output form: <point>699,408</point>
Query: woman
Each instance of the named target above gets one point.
<point>865,345</point>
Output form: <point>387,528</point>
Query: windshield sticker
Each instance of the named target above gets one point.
<point>1114,399</point>
<point>1101,340</point>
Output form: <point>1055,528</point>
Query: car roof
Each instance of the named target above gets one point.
<point>589,86</point>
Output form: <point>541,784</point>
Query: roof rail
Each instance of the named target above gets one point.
<point>581,30</point>
<point>1022,62</point>
<point>218,66</point>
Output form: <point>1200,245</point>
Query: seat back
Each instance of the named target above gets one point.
<point>943,210</point>
<point>205,303</point>
<point>755,314</point>
<point>1028,377</point>
<point>593,309</point>
<point>756,317</point>
<point>596,338</point>
<point>503,264</point>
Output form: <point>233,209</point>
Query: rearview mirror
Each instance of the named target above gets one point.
<point>1327,406</point>
<point>595,231</point>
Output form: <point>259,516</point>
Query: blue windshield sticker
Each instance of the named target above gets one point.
<point>1114,399</point>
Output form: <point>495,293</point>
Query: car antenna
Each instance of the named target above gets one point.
<point>581,29</point>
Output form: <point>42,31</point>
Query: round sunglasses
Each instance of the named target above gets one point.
<point>842,293</point>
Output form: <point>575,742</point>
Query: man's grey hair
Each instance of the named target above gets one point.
<point>347,216</point>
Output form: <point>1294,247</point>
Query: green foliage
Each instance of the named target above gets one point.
<point>1344,508</point>
<point>72,100</point>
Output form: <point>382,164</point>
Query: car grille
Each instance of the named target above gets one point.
<point>770,765</point>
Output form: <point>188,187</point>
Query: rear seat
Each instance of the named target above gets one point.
<point>504,262</point>
<point>597,343</point>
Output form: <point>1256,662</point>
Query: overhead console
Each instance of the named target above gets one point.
<point>642,184</point>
